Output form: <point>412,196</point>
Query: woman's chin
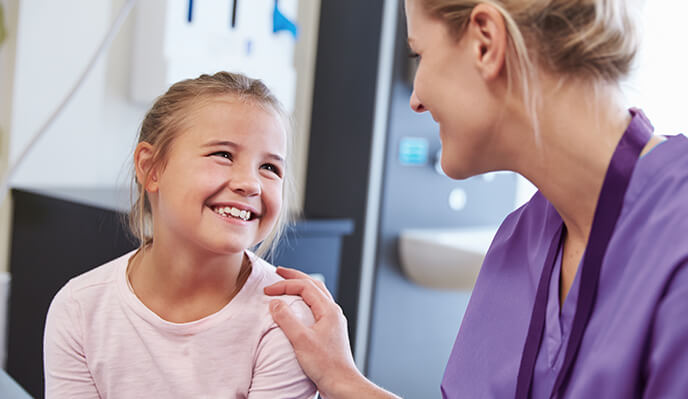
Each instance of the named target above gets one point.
<point>457,172</point>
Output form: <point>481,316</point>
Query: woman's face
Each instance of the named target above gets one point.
<point>449,84</point>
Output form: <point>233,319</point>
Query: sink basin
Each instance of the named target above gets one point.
<point>442,258</point>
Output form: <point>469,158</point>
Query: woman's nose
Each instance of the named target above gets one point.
<point>415,103</point>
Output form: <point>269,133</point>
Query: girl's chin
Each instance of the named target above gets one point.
<point>224,248</point>
<point>232,248</point>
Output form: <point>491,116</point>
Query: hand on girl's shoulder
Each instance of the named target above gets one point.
<point>295,303</point>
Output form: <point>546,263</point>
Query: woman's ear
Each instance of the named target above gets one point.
<point>143,158</point>
<point>488,31</point>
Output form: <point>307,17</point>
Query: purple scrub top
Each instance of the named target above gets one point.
<point>636,342</point>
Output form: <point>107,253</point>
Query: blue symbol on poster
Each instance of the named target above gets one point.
<point>280,22</point>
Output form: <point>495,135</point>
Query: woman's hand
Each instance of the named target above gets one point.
<point>323,350</point>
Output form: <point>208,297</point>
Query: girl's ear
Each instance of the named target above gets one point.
<point>143,158</point>
<point>488,31</point>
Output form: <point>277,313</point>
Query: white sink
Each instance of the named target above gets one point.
<point>443,258</point>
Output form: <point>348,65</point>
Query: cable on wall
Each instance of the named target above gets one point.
<point>102,48</point>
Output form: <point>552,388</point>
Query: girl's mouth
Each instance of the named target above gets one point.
<point>230,211</point>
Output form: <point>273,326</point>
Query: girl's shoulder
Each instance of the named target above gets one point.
<point>90,283</point>
<point>265,274</point>
<point>86,296</point>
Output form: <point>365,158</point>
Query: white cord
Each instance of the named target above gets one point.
<point>104,45</point>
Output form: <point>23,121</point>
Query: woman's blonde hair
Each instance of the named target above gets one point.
<point>594,40</point>
<point>165,121</point>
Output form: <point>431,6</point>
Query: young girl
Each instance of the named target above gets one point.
<point>184,316</point>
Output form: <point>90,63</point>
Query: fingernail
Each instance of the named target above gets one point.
<point>275,305</point>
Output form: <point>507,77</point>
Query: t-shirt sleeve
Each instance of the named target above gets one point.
<point>277,373</point>
<point>66,371</point>
<point>668,352</point>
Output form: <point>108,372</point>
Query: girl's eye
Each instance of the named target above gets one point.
<point>415,56</point>
<point>223,154</point>
<point>272,168</point>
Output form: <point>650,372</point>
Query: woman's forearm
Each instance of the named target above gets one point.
<point>355,386</point>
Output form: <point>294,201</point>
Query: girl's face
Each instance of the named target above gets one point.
<point>449,84</point>
<point>221,189</point>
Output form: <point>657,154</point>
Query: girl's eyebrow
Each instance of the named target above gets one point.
<point>215,143</point>
<point>275,157</point>
<point>226,143</point>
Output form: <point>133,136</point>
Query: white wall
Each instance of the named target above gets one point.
<point>54,43</point>
<point>659,84</point>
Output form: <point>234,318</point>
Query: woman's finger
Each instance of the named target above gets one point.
<point>307,289</point>
<point>291,274</point>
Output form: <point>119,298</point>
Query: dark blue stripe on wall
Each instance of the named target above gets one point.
<point>341,130</point>
<point>190,14</point>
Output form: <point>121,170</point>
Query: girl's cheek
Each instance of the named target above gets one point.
<point>214,173</point>
<point>276,196</point>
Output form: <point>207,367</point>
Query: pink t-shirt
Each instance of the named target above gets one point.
<point>102,342</point>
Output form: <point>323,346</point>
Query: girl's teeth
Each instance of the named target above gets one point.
<point>230,211</point>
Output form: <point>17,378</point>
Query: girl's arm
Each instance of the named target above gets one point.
<point>66,372</point>
<point>277,372</point>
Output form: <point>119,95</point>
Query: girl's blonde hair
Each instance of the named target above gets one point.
<point>593,40</point>
<point>165,121</point>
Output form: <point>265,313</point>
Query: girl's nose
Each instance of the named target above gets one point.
<point>245,183</point>
<point>415,103</point>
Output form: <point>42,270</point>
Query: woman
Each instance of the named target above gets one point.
<point>584,290</point>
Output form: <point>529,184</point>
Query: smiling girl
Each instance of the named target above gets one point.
<point>185,315</point>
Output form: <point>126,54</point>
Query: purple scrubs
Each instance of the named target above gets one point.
<point>636,342</point>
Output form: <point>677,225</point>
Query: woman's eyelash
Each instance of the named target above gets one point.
<point>413,55</point>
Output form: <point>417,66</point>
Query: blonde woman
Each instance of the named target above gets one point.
<point>584,290</point>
